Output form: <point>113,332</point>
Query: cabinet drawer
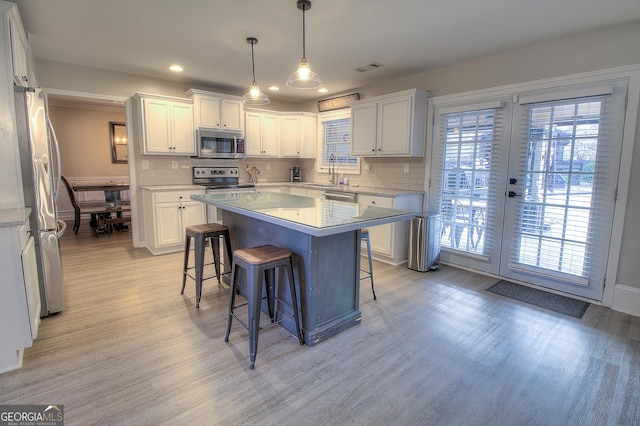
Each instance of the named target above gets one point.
<point>375,201</point>
<point>172,197</point>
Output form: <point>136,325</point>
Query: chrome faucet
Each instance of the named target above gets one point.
<point>332,169</point>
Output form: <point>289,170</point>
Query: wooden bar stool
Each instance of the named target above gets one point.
<point>368,274</point>
<point>261,262</point>
<point>202,233</point>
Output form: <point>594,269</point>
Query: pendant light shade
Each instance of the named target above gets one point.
<point>254,96</point>
<point>303,77</point>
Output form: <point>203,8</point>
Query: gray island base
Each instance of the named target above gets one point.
<point>324,239</point>
<point>324,269</point>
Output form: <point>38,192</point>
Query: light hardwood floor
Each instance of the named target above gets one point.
<point>435,349</point>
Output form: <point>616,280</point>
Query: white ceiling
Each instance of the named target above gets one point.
<point>208,38</point>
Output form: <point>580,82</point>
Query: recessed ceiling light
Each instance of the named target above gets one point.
<point>274,88</point>
<point>176,68</point>
<point>323,90</point>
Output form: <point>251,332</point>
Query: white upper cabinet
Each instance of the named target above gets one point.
<point>167,125</point>
<point>364,119</point>
<point>217,111</point>
<point>389,126</point>
<point>20,52</point>
<point>298,134</point>
<point>281,134</point>
<point>261,136</point>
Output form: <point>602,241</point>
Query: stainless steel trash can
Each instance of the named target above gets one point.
<point>424,241</point>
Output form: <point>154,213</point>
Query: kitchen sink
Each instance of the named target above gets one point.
<point>349,197</point>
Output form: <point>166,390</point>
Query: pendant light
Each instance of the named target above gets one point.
<point>303,77</point>
<point>254,96</point>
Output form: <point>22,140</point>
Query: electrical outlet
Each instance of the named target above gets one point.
<point>405,168</point>
<point>145,164</point>
<point>174,164</point>
<point>268,166</point>
<point>367,167</point>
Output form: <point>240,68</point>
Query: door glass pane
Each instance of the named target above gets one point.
<point>556,209</point>
<point>469,138</point>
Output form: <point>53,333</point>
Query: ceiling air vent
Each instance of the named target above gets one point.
<point>368,67</point>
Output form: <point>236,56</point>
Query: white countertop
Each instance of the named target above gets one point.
<point>14,217</point>
<point>313,216</point>
<point>177,187</point>
<point>364,190</point>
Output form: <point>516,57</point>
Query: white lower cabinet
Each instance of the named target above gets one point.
<point>390,242</point>
<point>19,294</point>
<point>167,214</point>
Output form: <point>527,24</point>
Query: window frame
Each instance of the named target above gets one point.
<point>321,165</point>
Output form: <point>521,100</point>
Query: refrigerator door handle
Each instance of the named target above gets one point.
<point>58,163</point>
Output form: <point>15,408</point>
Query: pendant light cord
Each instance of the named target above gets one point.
<point>253,62</point>
<point>304,32</point>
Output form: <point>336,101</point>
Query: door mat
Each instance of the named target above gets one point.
<point>533,296</point>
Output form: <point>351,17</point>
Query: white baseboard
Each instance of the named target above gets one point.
<point>66,215</point>
<point>626,299</point>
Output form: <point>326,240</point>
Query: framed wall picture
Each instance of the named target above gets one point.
<point>119,142</point>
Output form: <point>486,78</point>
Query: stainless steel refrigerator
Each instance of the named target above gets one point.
<point>40,163</point>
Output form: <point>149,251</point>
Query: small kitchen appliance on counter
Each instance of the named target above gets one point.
<point>295,174</point>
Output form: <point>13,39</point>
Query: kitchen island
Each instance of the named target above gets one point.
<point>324,238</point>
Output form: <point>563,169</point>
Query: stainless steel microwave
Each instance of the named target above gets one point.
<point>217,144</point>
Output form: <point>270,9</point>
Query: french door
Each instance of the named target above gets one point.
<point>527,188</point>
<point>561,189</point>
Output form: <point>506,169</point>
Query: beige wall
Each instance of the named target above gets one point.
<point>85,143</point>
<point>85,146</point>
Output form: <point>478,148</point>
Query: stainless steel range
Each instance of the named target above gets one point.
<point>218,178</point>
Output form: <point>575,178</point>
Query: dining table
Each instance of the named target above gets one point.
<point>105,223</point>
<point>112,190</point>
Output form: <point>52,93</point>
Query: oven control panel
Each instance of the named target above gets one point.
<point>216,176</point>
<point>215,171</point>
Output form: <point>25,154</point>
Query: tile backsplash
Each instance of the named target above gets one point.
<point>396,173</point>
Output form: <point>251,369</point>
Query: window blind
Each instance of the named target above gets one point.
<point>336,140</point>
<point>561,230</point>
<point>467,185</point>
